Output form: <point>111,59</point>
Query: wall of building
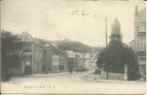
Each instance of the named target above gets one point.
<point>38,57</point>
<point>139,42</point>
<point>55,63</point>
<point>78,62</point>
<point>63,65</point>
<point>47,60</point>
<point>114,76</point>
<point>27,57</point>
<point>117,76</point>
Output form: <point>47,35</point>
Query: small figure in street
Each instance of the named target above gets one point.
<point>71,70</point>
<point>70,65</point>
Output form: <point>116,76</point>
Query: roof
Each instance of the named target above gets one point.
<point>26,37</point>
<point>5,34</point>
<point>132,42</point>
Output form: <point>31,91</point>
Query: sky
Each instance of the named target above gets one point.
<point>76,20</point>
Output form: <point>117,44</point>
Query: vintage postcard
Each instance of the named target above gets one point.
<point>73,47</point>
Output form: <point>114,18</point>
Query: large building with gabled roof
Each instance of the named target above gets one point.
<point>139,42</point>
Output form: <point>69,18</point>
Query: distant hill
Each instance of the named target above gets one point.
<point>73,45</point>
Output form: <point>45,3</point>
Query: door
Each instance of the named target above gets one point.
<point>28,70</point>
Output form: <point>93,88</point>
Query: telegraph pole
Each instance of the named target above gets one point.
<point>106,47</point>
<point>106,30</point>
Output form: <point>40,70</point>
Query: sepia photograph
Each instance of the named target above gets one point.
<point>73,47</point>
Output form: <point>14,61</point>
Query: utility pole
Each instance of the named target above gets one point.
<point>106,29</point>
<point>107,65</point>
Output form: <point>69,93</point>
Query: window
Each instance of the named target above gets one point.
<point>142,28</point>
<point>141,34</point>
<point>26,50</point>
<point>142,58</point>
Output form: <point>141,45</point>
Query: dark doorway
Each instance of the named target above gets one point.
<point>70,64</point>
<point>28,70</point>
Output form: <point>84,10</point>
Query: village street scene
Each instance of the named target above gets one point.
<point>69,47</point>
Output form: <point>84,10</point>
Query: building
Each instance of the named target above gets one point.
<point>38,55</point>
<point>71,60</point>
<point>47,60</point>
<point>55,60</point>
<point>27,52</point>
<point>79,61</point>
<point>41,56</point>
<point>32,53</point>
<point>63,65</point>
<point>139,42</point>
<point>59,59</point>
<point>87,61</point>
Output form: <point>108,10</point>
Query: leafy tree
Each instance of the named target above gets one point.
<point>74,46</point>
<point>10,58</point>
<point>116,55</point>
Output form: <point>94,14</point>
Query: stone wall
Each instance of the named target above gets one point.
<point>117,76</point>
<point>113,76</point>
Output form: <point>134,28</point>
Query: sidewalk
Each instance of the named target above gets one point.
<point>47,75</point>
<point>99,79</point>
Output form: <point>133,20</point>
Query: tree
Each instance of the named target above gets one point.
<point>10,46</point>
<point>74,46</point>
<point>117,55</point>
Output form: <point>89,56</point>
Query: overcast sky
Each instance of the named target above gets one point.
<point>82,21</point>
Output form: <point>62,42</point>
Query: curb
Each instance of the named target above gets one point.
<point>46,75</point>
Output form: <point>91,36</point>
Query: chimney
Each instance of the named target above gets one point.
<point>136,10</point>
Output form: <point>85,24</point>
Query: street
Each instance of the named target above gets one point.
<point>71,83</point>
